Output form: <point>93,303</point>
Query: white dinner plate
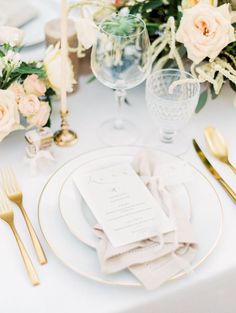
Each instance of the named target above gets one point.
<point>206,217</point>
<point>34,30</point>
<point>78,216</point>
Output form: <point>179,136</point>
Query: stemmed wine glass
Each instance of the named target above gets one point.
<point>121,60</point>
<point>172,96</point>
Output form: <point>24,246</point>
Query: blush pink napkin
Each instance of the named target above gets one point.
<point>155,260</point>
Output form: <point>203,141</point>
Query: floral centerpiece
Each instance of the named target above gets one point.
<point>25,91</point>
<point>197,36</point>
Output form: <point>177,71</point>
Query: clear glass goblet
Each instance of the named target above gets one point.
<point>172,96</point>
<point>121,60</point>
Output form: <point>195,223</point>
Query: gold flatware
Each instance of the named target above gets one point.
<point>213,171</point>
<point>14,193</point>
<point>7,215</point>
<point>218,146</point>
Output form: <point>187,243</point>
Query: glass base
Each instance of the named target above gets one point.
<point>118,132</point>
<point>180,145</point>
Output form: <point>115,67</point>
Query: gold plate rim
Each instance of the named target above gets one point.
<point>65,181</point>
<point>122,283</point>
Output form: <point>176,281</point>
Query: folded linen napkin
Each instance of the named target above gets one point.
<point>155,260</point>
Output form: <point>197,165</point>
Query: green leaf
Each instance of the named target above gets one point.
<point>152,28</point>
<point>182,50</point>
<point>178,18</point>
<point>49,93</point>
<point>137,8</point>
<point>91,79</point>
<point>202,101</point>
<point>232,85</point>
<point>48,124</point>
<point>213,94</point>
<point>152,5</point>
<point>27,69</point>
<point>121,25</point>
<point>14,77</point>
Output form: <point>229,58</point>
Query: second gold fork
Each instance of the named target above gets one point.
<point>7,215</point>
<point>14,193</point>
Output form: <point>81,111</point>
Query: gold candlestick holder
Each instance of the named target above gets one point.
<point>65,137</point>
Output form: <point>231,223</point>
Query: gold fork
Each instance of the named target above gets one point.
<point>7,215</point>
<point>14,193</point>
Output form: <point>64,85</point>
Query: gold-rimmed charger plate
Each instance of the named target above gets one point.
<point>78,217</point>
<point>82,259</point>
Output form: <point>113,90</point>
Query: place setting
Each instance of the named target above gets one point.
<point>129,215</point>
<point>73,232</point>
<point>125,214</point>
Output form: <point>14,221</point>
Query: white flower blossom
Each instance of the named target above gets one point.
<point>10,61</point>
<point>124,11</point>
<point>39,64</point>
<point>13,58</point>
<point>87,31</point>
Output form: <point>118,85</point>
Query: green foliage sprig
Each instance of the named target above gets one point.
<point>155,13</point>
<point>13,69</point>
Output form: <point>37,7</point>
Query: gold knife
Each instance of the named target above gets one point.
<point>213,171</point>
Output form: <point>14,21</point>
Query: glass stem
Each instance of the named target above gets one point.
<point>167,136</point>
<point>120,95</point>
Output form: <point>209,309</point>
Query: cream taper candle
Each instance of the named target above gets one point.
<point>64,55</point>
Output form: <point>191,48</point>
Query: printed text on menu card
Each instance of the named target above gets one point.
<point>122,204</point>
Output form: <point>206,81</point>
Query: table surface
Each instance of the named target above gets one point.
<point>209,289</point>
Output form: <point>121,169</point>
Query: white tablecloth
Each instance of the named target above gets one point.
<point>210,289</point>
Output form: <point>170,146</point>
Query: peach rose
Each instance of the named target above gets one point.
<point>41,117</point>
<point>18,90</point>
<point>33,85</point>
<point>29,105</point>
<point>9,115</point>
<point>119,3</point>
<point>205,30</point>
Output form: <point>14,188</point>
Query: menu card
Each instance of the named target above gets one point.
<point>122,204</point>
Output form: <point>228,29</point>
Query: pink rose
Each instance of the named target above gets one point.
<point>9,115</point>
<point>205,30</point>
<point>33,85</point>
<point>29,105</point>
<point>18,90</point>
<point>41,117</point>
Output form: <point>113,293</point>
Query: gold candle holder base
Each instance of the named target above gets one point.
<point>65,137</point>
